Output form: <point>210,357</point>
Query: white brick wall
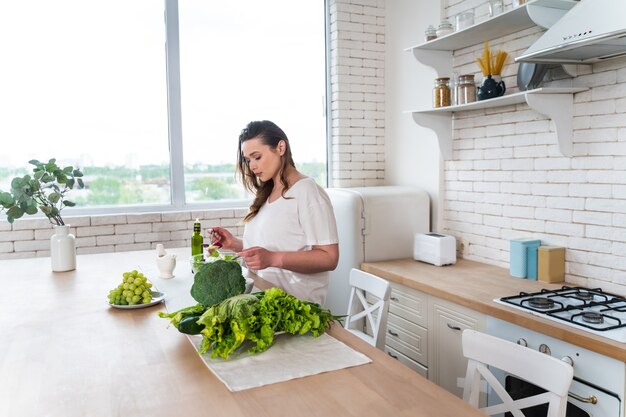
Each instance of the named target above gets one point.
<point>507,178</point>
<point>357,53</point>
<point>28,238</point>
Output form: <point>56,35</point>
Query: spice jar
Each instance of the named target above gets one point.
<point>466,89</point>
<point>464,20</point>
<point>430,33</point>
<point>441,92</point>
<point>445,28</point>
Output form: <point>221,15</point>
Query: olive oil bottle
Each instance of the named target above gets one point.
<point>196,241</point>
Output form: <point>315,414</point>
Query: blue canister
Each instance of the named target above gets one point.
<point>523,264</point>
<point>531,262</point>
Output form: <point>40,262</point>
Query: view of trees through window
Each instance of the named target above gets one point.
<point>89,88</point>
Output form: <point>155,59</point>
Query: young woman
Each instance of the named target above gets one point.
<point>290,235</point>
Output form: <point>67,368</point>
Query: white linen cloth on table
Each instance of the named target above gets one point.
<point>289,357</point>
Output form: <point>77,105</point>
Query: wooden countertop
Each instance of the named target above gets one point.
<point>65,352</point>
<point>475,285</point>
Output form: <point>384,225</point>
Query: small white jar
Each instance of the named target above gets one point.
<point>445,28</point>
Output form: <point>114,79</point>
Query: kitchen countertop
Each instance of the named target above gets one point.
<point>66,352</point>
<point>475,285</point>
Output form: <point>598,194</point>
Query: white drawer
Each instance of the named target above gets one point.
<point>405,325</point>
<point>417,367</point>
<point>409,304</point>
<point>412,343</point>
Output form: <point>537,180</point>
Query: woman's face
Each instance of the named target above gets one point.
<point>263,160</point>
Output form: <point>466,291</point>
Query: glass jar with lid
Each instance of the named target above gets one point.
<point>464,19</point>
<point>466,89</point>
<point>444,28</point>
<point>441,92</point>
<point>430,33</point>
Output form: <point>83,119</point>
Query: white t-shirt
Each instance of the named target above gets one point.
<point>291,225</point>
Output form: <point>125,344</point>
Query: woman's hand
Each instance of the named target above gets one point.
<point>258,258</point>
<point>222,237</point>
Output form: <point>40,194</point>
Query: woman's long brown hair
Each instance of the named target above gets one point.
<point>270,134</point>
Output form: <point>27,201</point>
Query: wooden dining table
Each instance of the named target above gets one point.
<point>64,352</point>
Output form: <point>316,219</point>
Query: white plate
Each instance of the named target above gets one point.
<point>157,297</point>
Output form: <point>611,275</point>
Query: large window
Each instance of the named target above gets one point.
<point>86,83</point>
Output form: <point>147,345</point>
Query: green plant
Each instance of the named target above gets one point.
<point>44,191</point>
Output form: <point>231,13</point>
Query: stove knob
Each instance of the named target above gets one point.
<point>568,359</point>
<point>543,348</point>
<point>522,342</point>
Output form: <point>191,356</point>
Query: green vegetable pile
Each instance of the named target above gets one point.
<point>256,318</point>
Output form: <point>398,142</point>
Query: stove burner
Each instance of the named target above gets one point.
<point>542,303</point>
<point>585,296</point>
<point>592,317</point>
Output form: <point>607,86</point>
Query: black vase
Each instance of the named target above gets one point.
<point>490,89</point>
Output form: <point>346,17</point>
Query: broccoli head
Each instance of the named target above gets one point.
<point>216,281</point>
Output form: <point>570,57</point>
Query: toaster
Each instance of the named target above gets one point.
<point>434,248</point>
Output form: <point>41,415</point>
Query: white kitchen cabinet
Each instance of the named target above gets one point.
<point>446,363</point>
<point>556,103</point>
<point>424,333</point>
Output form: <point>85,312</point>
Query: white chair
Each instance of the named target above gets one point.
<point>551,374</point>
<point>361,312</point>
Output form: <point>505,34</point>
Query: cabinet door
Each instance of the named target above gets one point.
<point>446,363</point>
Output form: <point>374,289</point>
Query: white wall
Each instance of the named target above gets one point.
<point>507,178</point>
<point>412,152</point>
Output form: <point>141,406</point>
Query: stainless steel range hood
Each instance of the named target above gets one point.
<point>592,31</point>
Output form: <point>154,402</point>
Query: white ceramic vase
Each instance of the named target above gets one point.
<point>63,249</point>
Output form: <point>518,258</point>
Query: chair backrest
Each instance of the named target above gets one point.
<point>360,311</point>
<point>544,371</point>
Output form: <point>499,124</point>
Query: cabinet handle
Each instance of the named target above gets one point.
<point>592,399</point>
<point>450,326</point>
<point>392,355</point>
<point>392,333</point>
<point>394,299</point>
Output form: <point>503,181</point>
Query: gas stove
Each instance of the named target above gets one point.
<point>592,310</point>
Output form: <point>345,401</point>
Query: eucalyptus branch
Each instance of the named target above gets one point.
<point>41,192</point>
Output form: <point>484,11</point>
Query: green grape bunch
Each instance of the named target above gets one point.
<point>134,289</point>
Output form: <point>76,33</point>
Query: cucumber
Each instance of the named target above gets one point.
<point>188,325</point>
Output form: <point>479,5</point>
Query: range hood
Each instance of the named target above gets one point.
<point>592,31</point>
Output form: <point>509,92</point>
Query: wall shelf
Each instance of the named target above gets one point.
<point>556,103</point>
<point>542,13</point>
